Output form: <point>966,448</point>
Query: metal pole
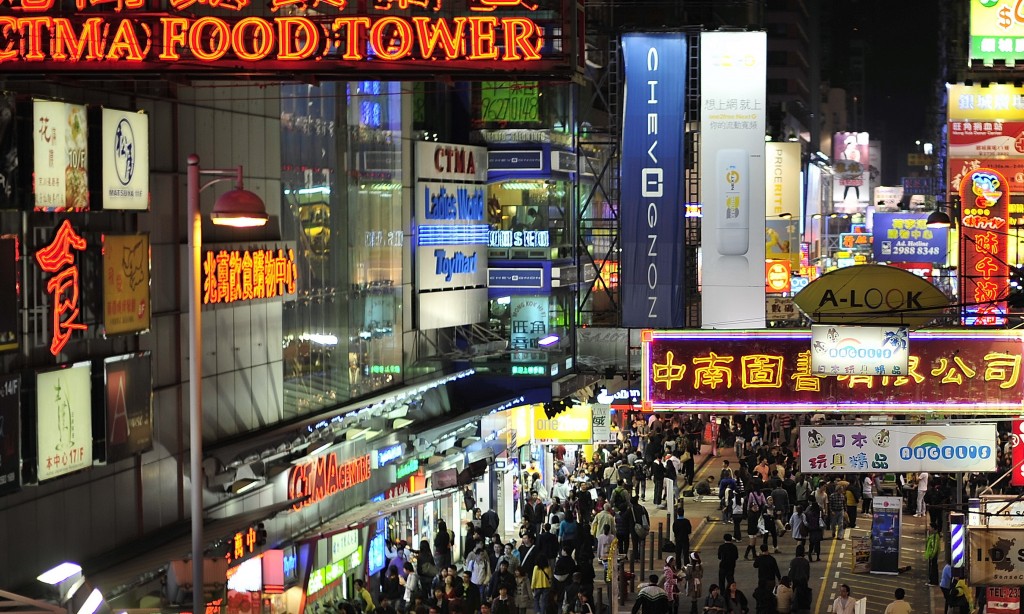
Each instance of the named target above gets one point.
<point>195,344</point>
<point>661,537</point>
<point>651,553</point>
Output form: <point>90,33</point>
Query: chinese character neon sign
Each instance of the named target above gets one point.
<point>244,275</point>
<point>105,35</point>
<point>58,260</point>
<point>985,197</point>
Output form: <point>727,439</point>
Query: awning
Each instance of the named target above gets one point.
<point>371,512</point>
<point>125,566</point>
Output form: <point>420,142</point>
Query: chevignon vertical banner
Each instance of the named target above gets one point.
<point>652,175</point>
<point>732,178</point>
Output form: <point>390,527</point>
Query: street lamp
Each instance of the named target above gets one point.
<point>239,208</point>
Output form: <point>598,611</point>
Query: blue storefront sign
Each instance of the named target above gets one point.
<point>906,237</point>
<point>652,170</point>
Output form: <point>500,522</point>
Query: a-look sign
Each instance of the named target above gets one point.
<point>871,294</point>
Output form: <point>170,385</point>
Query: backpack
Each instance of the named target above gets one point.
<point>670,470</point>
<point>642,525</point>
<point>625,473</point>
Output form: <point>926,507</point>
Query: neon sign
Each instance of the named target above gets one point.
<point>985,197</point>
<point>108,35</point>
<point>323,477</point>
<point>407,468</point>
<point>57,259</point>
<point>772,371</point>
<point>243,275</point>
<point>383,456</point>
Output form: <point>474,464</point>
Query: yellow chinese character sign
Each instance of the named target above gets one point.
<point>765,370</point>
<point>243,275</point>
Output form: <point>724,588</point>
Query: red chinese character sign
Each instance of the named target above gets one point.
<point>771,371</point>
<point>244,275</point>
<point>58,259</point>
<point>985,210</point>
<point>1017,454</point>
<point>335,38</point>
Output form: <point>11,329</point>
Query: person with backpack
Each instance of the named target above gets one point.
<point>620,498</point>
<point>639,479</point>
<point>641,527</point>
<point>671,473</point>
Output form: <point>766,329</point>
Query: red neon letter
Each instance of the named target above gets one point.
<point>353,46</point>
<point>125,42</point>
<point>8,28</point>
<point>453,45</point>
<point>521,34</point>
<point>32,41</point>
<point>219,38</point>
<point>403,32</point>
<point>174,36</point>
<point>262,37</point>
<point>291,30</point>
<point>64,284</point>
<point>66,46</point>
<point>482,38</point>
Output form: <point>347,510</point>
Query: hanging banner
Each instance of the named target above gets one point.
<point>9,293</point>
<point>602,413</point>
<point>898,448</point>
<point>652,174</point>
<point>60,171</point>
<point>128,382</point>
<point>732,186</point>
<point>125,160</point>
<point>10,433</point>
<point>886,519</point>
<point>995,557</point>
<point>984,254</point>
<point>126,304</point>
<point>63,420</point>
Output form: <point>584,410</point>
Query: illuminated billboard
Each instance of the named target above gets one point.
<point>996,31</point>
<point>334,37</point>
<point>851,161</point>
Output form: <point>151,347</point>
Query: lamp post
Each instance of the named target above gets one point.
<point>240,208</point>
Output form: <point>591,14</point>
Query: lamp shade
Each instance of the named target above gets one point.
<point>938,219</point>
<point>240,208</point>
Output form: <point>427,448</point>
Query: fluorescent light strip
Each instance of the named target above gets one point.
<point>92,602</point>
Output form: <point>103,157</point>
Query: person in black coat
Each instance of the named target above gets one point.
<point>767,569</point>
<point>728,554</point>
<point>489,523</point>
<point>548,543</point>
<point>529,554</point>
<point>442,545</point>
<point>681,529</point>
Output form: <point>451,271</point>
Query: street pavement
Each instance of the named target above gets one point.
<point>834,569</point>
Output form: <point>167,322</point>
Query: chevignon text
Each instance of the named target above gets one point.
<point>652,176</point>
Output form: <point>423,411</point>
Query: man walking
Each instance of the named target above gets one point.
<point>728,554</point>
<point>767,569</point>
<point>837,511</point>
<point>899,606</point>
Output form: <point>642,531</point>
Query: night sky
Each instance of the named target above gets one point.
<point>901,69</point>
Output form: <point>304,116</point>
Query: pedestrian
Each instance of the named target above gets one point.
<point>851,507</point>
<point>815,530</point>
<point>715,601</point>
<point>922,488</point>
<point>753,521</point>
<point>798,526</point>
<point>728,554</point>
<point>867,490</point>
<point>412,587</point>
<point>736,508</point>
<point>541,586</point>
<point>670,582</point>
<point>899,606</point>
<point>694,578</point>
<point>844,603</point>
<point>800,575</point>
<point>767,568</point>
<point>837,512</point>
<point>523,597</point>
<point>735,600</point>
<point>657,471</point>
<point>768,527</point>
<point>945,584</point>
<point>784,596</point>
<point>651,598</point>
<point>681,530</point>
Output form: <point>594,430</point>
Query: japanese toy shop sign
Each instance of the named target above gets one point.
<point>325,476</point>
<point>244,275</point>
<point>772,371</point>
<point>245,37</point>
<point>898,448</point>
<point>985,211</point>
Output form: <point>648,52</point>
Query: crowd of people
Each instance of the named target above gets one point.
<point>592,514</point>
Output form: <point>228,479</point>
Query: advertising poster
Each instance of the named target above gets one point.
<point>451,234</point>
<point>8,293</point>
<point>602,414</point>
<point>732,162</point>
<point>129,405</point>
<point>984,218</point>
<point>529,324</point>
<point>776,276</point>
<point>8,152</point>
<point>782,240</point>
<point>861,554</point>
<point>978,372</point>
<point>851,161</point>
<point>782,178</point>
<point>125,160</point>
<point>63,420</point>
<point>898,448</point>
<point>10,433</point>
<point>652,171</point>
<point>986,139</point>
<point>60,137</point>
<point>125,283</point>
<point>509,101</point>
<point>575,425</point>
<point>1002,600</point>
<point>1012,169</point>
<point>995,556</point>
<point>886,517</point>
<point>889,195</point>
<point>906,237</point>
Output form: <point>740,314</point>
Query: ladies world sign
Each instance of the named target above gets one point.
<point>321,36</point>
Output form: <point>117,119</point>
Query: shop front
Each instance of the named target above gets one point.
<point>336,563</point>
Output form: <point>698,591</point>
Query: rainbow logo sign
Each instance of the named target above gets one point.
<point>931,445</point>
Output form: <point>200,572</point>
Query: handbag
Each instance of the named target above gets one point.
<point>779,527</point>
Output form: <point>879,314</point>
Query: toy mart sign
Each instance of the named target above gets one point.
<point>284,35</point>
<point>771,371</point>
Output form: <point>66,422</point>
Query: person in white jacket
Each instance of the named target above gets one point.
<point>479,567</point>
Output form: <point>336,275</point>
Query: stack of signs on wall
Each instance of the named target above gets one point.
<point>63,420</point>
<point>451,234</point>
<point>129,405</point>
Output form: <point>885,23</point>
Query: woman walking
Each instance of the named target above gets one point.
<point>815,531</point>
<point>753,519</point>
<point>694,577</point>
<point>798,525</point>
<point>671,585</point>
